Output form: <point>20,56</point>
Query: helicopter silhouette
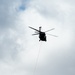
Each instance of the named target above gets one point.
<point>42,35</point>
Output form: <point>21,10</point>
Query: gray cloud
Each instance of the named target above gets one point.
<point>7,11</point>
<point>11,32</point>
<point>10,27</point>
<point>8,15</point>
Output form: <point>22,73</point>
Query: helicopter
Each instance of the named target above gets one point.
<point>42,35</point>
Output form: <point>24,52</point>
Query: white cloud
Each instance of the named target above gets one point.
<point>19,50</point>
<point>53,51</point>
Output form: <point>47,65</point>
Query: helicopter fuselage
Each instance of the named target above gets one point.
<point>42,36</point>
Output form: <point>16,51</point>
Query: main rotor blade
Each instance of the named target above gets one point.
<point>33,28</point>
<point>50,30</point>
<point>52,35</point>
<point>35,34</point>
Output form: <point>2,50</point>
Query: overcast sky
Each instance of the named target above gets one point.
<point>19,49</point>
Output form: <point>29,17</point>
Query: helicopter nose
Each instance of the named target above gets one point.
<point>40,27</point>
